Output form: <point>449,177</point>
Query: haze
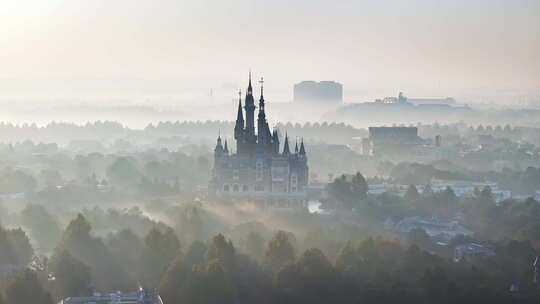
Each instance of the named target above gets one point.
<point>147,51</point>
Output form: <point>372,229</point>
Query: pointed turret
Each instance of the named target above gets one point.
<point>261,99</point>
<point>239,126</point>
<point>263,131</point>
<point>275,141</point>
<point>302,148</point>
<point>250,88</point>
<point>296,147</point>
<point>226,148</point>
<point>286,150</point>
<point>219,147</point>
<point>249,106</point>
<point>275,137</point>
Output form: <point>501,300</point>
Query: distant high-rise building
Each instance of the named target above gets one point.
<point>322,92</point>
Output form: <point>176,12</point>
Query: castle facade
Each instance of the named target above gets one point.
<point>261,169</point>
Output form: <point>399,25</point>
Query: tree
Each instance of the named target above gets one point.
<point>190,224</point>
<point>4,213</point>
<point>340,190</point>
<point>447,199</point>
<point>107,271</point>
<point>207,285</point>
<point>419,237</point>
<point>123,173</point>
<point>359,186</point>
<point>412,195</point>
<point>20,246</point>
<point>27,289</point>
<point>255,245</point>
<point>279,251</point>
<point>173,280</point>
<point>126,247</point>
<point>347,257</point>
<point>43,227</point>
<point>72,277</point>
<point>195,254</point>
<point>7,256</point>
<point>428,192</point>
<point>160,249</point>
<point>349,193</point>
<point>219,287</point>
<point>222,251</point>
<point>312,279</point>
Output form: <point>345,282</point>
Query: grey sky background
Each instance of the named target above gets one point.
<point>56,50</point>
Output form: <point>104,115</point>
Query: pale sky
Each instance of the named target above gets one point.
<point>129,47</point>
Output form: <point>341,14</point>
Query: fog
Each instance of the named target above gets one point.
<point>140,50</point>
<point>167,152</point>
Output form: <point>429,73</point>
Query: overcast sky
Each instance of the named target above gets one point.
<point>102,47</point>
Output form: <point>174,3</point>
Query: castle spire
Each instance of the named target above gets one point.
<point>249,106</point>
<point>250,88</point>
<point>302,148</point>
<point>219,146</point>
<point>286,150</point>
<point>240,114</point>
<point>261,100</point>
<point>296,146</point>
<point>226,148</point>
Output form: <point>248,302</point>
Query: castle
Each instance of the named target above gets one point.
<point>259,170</point>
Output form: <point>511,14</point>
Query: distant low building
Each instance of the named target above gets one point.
<point>325,92</point>
<point>402,99</point>
<point>436,229</point>
<point>391,139</point>
<point>472,250</point>
<point>139,297</point>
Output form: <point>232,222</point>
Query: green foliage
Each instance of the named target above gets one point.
<point>190,224</point>
<point>43,226</point>
<point>7,256</point>
<point>27,289</point>
<point>223,252</point>
<point>160,249</point>
<point>20,246</point>
<point>78,242</point>
<point>349,193</point>
<point>14,181</point>
<point>124,173</point>
<point>126,247</point>
<point>279,251</point>
<point>173,280</point>
<point>412,196</point>
<point>196,254</point>
<point>73,278</point>
<point>312,279</point>
<point>15,247</point>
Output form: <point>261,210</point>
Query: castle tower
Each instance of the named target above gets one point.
<point>263,131</point>
<point>275,141</point>
<point>286,150</point>
<point>250,114</point>
<point>239,132</point>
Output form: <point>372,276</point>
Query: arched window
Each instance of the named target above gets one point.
<point>225,188</point>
